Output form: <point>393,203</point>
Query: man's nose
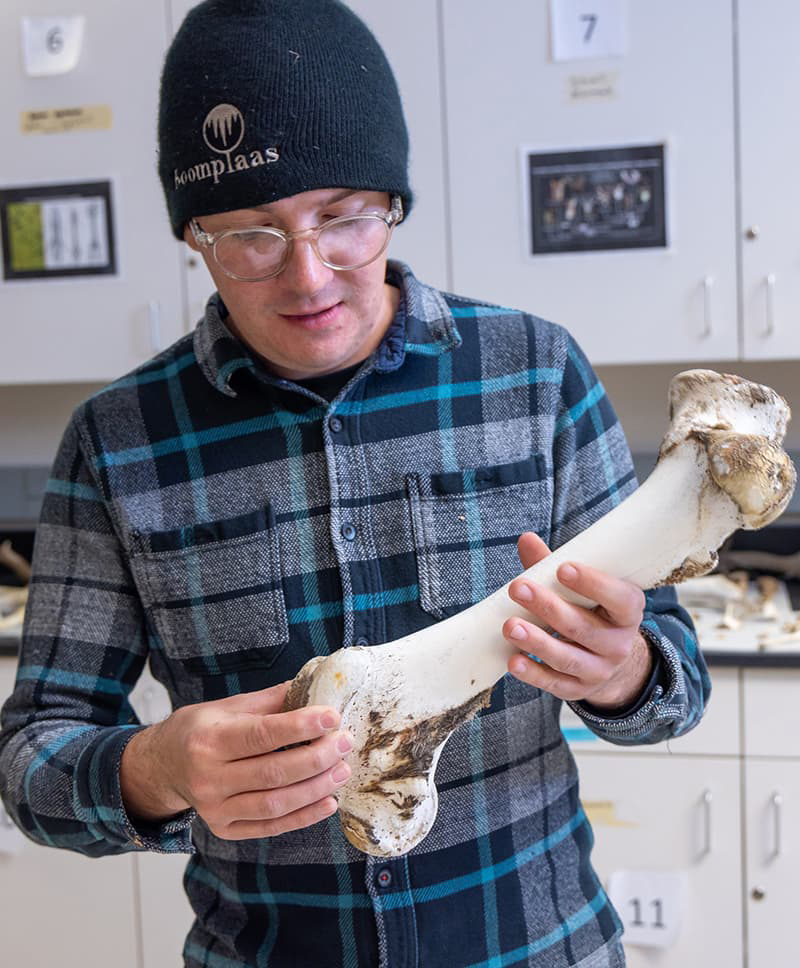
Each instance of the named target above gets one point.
<point>304,271</point>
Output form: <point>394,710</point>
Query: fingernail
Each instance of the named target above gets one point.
<point>568,573</point>
<point>518,632</point>
<point>341,773</point>
<point>518,667</point>
<point>329,720</point>
<point>343,744</point>
<point>523,593</point>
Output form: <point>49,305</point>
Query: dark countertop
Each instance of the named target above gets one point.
<point>9,648</point>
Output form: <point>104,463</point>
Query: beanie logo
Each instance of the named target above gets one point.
<point>223,128</point>
<point>223,131</point>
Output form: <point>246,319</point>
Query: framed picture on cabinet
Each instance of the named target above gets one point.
<point>56,231</point>
<point>595,199</point>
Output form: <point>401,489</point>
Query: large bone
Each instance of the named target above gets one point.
<point>720,467</point>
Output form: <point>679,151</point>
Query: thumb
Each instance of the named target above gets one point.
<point>531,549</point>
<point>260,702</point>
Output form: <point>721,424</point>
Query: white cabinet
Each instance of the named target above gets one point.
<point>679,814</point>
<point>772,712</point>
<point>674,806</point>
<point>61,908</point>
<point>772,795</point>
<point>721,804</point>
<point>773,860</point>
<point>92,328</point>
<point>769,74</point>
<point>505,94</point>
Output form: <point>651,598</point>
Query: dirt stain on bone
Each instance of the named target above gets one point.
<point>413,746</point>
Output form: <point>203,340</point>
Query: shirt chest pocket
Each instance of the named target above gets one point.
<point>466,525</point>
<point>213,591</point>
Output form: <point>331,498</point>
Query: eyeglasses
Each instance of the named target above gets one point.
<point>261,252</point>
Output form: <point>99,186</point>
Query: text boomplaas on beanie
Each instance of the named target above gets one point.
<point>223,130</point>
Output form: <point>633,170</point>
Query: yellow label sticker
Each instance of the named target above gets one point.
<point>93,117</point>
<point>604,812</point>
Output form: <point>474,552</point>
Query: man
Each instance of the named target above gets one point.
<point>338,455</point>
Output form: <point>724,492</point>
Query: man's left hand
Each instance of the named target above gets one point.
<point>598,655</point>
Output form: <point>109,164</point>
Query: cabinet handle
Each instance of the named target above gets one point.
<point>777,803</point>
<point>708,285</point>
<point>706,800</point>
<point>770,330</point>
<point>154,314</point>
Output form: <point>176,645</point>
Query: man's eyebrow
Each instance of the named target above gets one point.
<point>328,201</point>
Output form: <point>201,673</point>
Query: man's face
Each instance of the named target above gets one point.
<point>308,320</point>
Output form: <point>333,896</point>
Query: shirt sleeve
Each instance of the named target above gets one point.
<point>69,718</point>
<point>593,472</point>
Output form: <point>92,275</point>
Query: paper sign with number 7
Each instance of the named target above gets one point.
<point>588,28</point>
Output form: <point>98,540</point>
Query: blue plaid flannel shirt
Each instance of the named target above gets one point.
<point>227,526</point>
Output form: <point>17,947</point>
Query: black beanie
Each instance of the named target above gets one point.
<point>262,99</point>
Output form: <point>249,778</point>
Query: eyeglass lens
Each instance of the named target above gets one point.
<point>348,244</point>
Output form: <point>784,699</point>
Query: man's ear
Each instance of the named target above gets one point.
<point>188,238</point>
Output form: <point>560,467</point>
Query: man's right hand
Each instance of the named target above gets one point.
<point>229,760</point>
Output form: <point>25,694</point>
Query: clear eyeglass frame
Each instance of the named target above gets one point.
<point>211,239</point>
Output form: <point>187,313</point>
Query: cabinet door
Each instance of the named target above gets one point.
<point>773,861</point>
<point>769,81</point>
<point>505,95</point>
<point>771,712</point>
<point>652,813</point>
<point>92,328</point>
<point>60,908</point>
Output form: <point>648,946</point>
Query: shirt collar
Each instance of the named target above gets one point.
<point>422,325</point>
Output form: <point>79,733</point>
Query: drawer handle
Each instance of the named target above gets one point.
<point>708,285</point>
<point>770,330</point>
<point>706,800</point>
<point>776,802</point>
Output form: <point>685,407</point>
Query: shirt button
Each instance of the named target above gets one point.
<point>384,877</point>
<point>335,425</point>
<point>362,640</point>
<point>348,531</point>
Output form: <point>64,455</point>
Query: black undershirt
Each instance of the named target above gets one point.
<point>328,385</point>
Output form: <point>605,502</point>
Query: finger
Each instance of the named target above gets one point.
<point>570,621</point>
<point>567,658</point>
<point>274,804</point>
<point>311,814</point>
<point>246,735</point>
<point>281,769</point>
<point>262,701</point>
<point>622,601</point>
<point>531,549</point>
<point>541,676</point>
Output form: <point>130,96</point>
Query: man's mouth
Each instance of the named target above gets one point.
<point>316,319</point>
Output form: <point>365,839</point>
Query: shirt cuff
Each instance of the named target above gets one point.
<point>98,799</point>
